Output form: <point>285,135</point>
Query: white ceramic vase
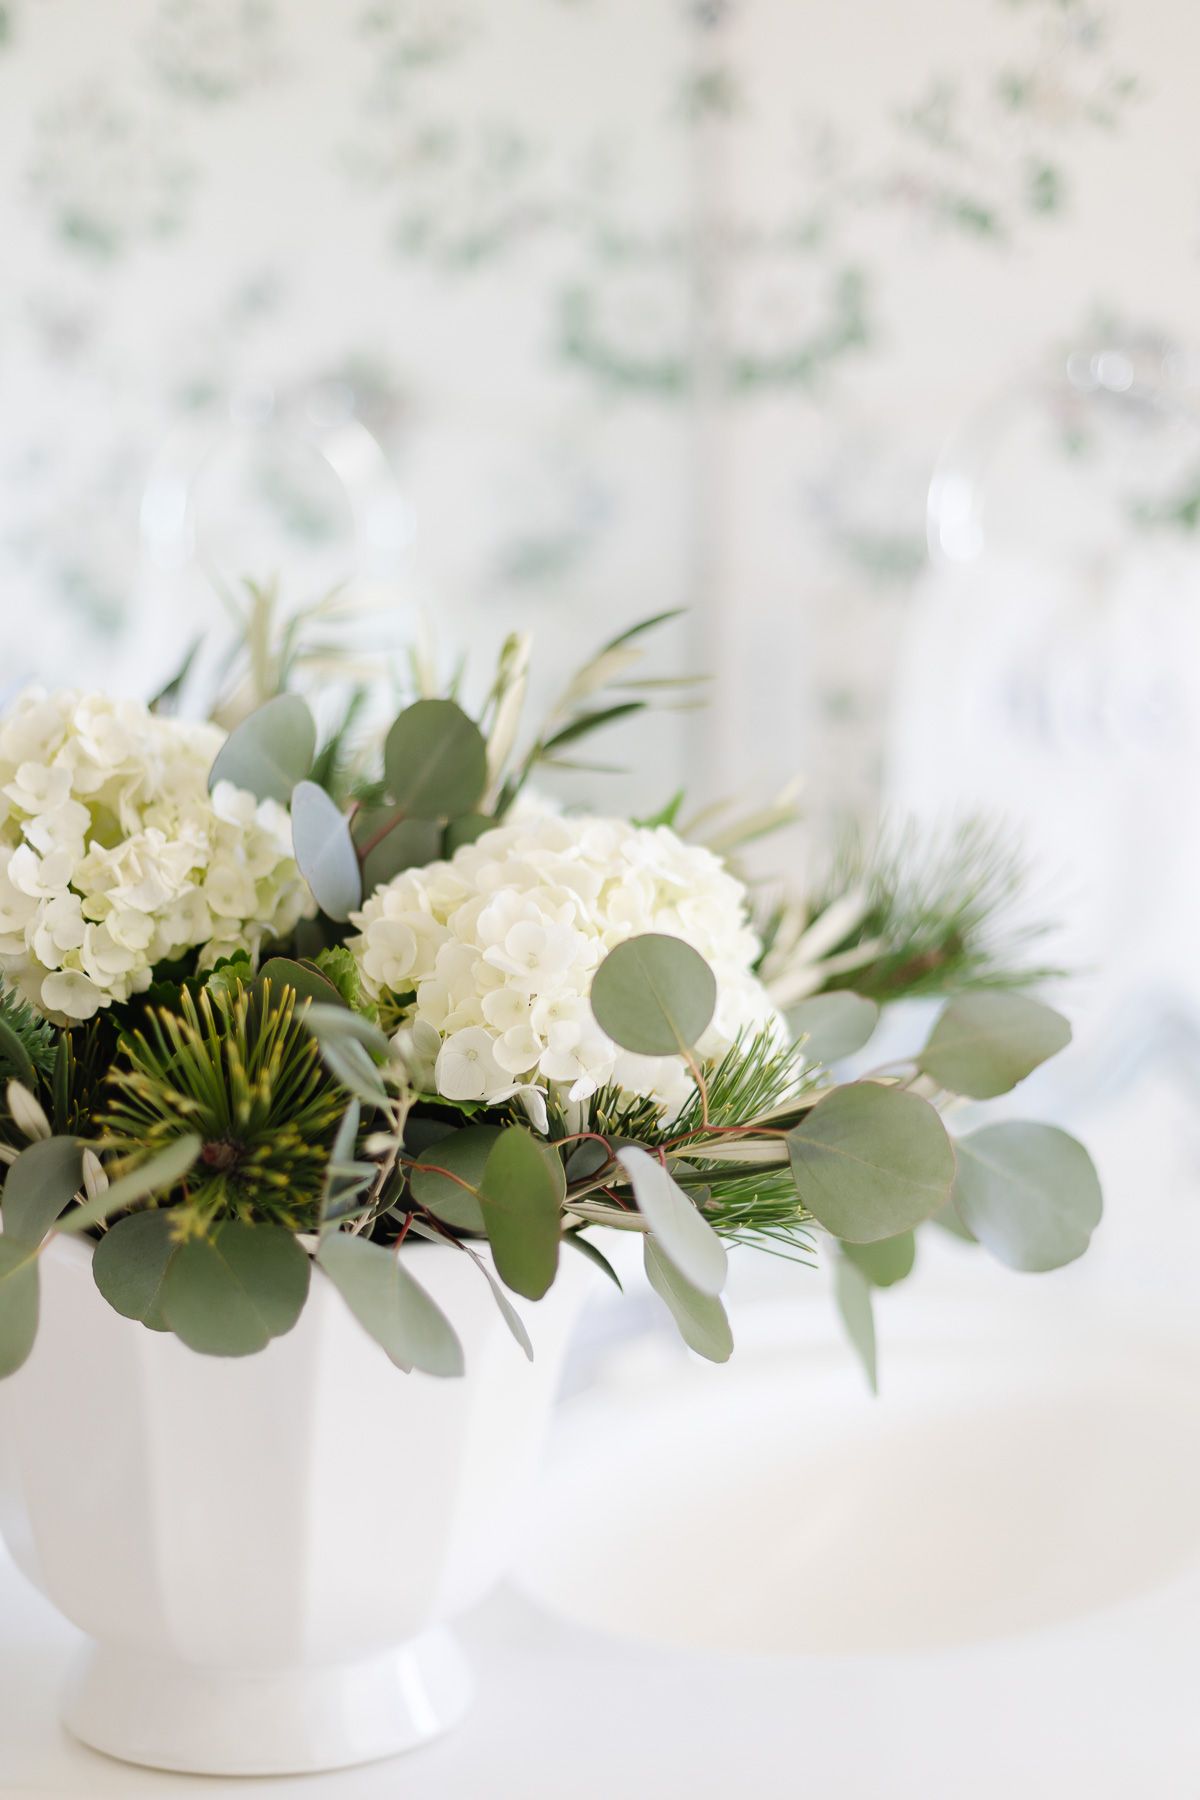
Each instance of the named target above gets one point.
<point>264,1553</point>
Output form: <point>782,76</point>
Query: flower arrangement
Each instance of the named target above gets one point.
<point>276,1011</point>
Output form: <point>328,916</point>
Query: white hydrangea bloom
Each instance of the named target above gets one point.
<point>114,857</point>
<point>499,945</point>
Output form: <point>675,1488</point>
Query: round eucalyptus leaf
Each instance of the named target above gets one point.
<point>1029,1193</point>
<point>701,1318</point>
<point>390,1305</point>
<point>389,843</point>
<point>325,853</point>
<point>466,830</point>
<point>230,1294</point>
<point>269,752</point>
<point>886,1261</point>
<point>852,1292</point>
<point>39,1185</point>
<point>654,995</point>
<point>833,1025</point>
<point>18,1303</point>
<point>305,977</point>
<point>871,1161</point>
<point>683,1235</point>
<point>435,761</point>
<point>984,1044</point>
<point>521,1193</point>
<point>464,1153</point>
<point>130,1266</point>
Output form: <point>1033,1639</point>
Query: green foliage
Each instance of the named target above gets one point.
<point>834,1025</point>
<point>27,1042</point>
<point>464,1155</point>
<point>435,761</point>
<point>325,852</point>
<point>886,1261</point>
<point>130,1264</point>
<point>230,1293</point>
<point>654,995</point>
<point>269,752</point>
<point>38,1186</point>
<point>984,1044</point>
<point>389,1303</point>
<point>521,1193</point>
<point>18,1303</point>
<point>871,1161</point>
<point>1029,1193</point>
<point>248,1080</point>
<point>338,966</point>
<point>680,1232</point>
<point>852,1292</point>
<point>701,1318</point>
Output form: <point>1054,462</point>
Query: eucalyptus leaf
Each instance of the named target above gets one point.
<point>654,995</point>
<point>948,1219</point>
<point>464,1153</point>
<point>325,853</point>
<point>130,1265</point>
<point>435,761</point>
<point>886,1261</point>
<point>852,1292</point>
<point>269,752</point>
<point>39,1185</point>
<point>522,1192</point>
<point>15,1058</point>
<point>344,1179</point>
<point>701,1318</point>
<point>351,1066</point>
<point>18,1303</point>
<point>304,977</point>
<point>1029,1193</point>
<point>157,1175</point>
<point>230,1294</point>
<point>390,1305</point>
<point>508,1311</point>
<point>389,843</point>
<point>834,1025</point>
<point>466,830</point>
<point>984,1044</point>
<point>682,1234</point>
<point>338,1024</point>
<point>586,1248</point>
<point>871,1161</point>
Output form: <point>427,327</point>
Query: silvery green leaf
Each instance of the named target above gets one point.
<point>1029,1193</point>
<point>435,761</point>
<point>325,853</point>
<point>230,1294</point>
<point>338,1024</point>
<point>130,1265</point>
<point>390,1305</point>
<point>834,1025</point>
<point>700,1317</point>
<point>304,977</point>
<point>852,1291</point>
<point>682,1234</point>
<point>463,1153</point>
<point>871,1161</point>
<point>521,1194</point>
<point>39,1185</point>
<point>157,1175</point>
<point>18,1303</point>
<point>984,1044</point>
<point>269,752</point>
<point>654,995</point>
<point>886,1261</point>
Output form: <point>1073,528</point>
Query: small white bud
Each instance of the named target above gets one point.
<point>95,1181</point>
<point>26,1111</point>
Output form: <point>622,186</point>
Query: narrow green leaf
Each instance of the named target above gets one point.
<point>39,1185</point>
<point>390,1305</point>
<point>435,761</point>
<point>508,1311</point>
<point>654,995</point>
<point>522,1192</point>
<point>268,753</point>
<point>834,1025</point>
<point>585,723</point>
<point>984,1044</point>
<point>130,1265</point>
<point>325,853</point>
<point>586,1248</point>
<point>871,1161</point>
<point>464,1153</point>
<point>683,1235</point>
<point>852,1291</point>
<point>230,1294</point>
<point>18,1303</point>
<point>1029,1193</point>
<point>701,1319</point>
<point>351,1066</point>
<point>14,1057</point>
<point>157,1175</point>
<point>886,1261</point>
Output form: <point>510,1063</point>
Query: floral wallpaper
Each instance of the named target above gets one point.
<point>558,312</point>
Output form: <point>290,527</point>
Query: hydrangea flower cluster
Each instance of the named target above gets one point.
<point>114,857</point>
<point>491,956</point>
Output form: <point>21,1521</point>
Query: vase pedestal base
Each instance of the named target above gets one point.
<point>204,1721</point>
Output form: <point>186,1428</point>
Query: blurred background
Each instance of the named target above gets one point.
<point>868,334</point>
